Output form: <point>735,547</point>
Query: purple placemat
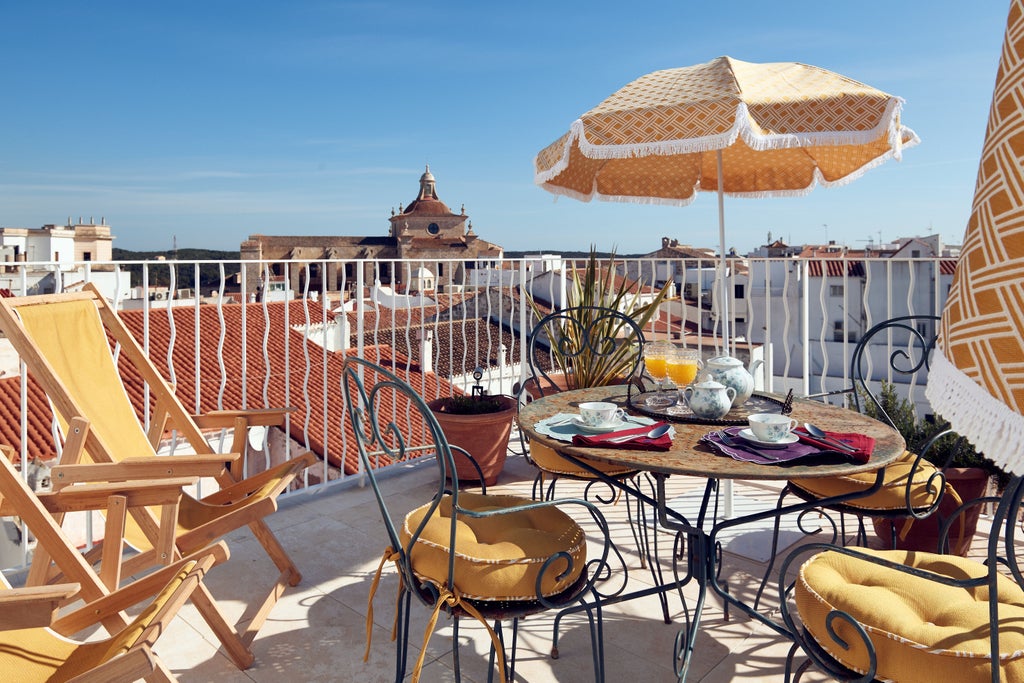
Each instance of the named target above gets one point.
<point>762,456</point>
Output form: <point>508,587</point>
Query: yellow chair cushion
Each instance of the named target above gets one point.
<point>921,630</point>
<point>498,557</point>
<point>550,461</point>
<point>892,495</point>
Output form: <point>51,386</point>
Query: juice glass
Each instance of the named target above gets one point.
<point>683,366</point>
<point>656,355</point>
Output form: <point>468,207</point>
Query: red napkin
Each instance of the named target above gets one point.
<point>662,443</point>
<point>863,444</point>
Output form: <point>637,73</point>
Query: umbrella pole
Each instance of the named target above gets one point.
<point>724,287</point>
<point>726,495</point>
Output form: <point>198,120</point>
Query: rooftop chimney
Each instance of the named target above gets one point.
<point>426,338</point>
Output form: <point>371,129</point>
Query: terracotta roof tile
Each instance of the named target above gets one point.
<point>285,347</point>
<point>833,267</point>
<point>40,418</point>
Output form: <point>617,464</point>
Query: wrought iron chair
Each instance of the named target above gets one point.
<point>489,557</point>
<point>912,487</point>
<point>868,615</point>
<point>599,340</point>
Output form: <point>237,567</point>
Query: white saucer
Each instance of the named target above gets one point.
<point>599,429</point>
<point>781,443</point>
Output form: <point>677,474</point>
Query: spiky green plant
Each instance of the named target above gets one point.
<point>607,353</point>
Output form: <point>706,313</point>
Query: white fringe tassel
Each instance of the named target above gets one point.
<point>994,428</point>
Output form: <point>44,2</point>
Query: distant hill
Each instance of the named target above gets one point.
<point>566,254</point>
<point>182,254</point>
<point>160,274</point>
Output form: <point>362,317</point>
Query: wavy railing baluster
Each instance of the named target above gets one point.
<point>823,329</point>
<point>265,342</point>
<point>787,321</point>
<point>307,369</point>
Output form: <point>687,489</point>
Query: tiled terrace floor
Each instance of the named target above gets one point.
<point>317,632</point>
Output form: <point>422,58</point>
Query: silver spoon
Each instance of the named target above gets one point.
<point>653,434</point>
<point>825,438</point>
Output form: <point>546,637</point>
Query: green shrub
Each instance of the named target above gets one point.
<point>950,450</point>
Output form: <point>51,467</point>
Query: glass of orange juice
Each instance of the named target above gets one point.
<point>656,355</point>
<point>683,366</point>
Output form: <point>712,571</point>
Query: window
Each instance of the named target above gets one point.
<point>433,228</point>
<point>915,253</point>
<point>835,290</point>
<point>737,291</point>
<point>87,256</point>
<point>837,331</point>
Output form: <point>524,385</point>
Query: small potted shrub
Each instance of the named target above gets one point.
<point>966,470</point>
<point>481,425</point>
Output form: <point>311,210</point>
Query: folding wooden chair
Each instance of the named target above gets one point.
<point>65,340</point>
<point>33,647</point>
<point>36,653</point>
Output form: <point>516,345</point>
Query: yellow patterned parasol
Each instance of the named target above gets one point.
<point>976,379</point>
<point>739,128</point>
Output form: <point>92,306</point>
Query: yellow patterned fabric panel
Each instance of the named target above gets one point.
<point>892,495</point>
<point>977,379</point>
<point>499,557</point>
<point>921,630</point>
<point>701,101</point>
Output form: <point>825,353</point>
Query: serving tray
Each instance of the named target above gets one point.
<point>759,402</point>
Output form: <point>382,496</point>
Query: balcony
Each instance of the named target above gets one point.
<point>276,340</point>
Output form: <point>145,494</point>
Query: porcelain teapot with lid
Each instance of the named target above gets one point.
<point>709,399</point>
<point>730,372</point>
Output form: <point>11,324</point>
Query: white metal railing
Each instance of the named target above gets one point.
<point>806,314</point>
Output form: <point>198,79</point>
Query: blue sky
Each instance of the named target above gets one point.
<point>209,121</point>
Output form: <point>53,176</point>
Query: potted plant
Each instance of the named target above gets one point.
<point>481,425</point>
<point>598,287</point>
<point>967,472</point>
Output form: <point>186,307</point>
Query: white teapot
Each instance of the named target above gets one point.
<point>709,399</point>
<point>730,372</point>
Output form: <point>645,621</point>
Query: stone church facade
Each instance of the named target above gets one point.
<point>424,236</point>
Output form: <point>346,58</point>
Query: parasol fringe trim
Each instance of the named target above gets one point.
<point>992,426</point>
<point>816,179</point>
<point>889,126</point>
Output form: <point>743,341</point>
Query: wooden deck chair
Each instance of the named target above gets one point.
<point>42,514</point>
<point>30,650</point>
<point>63,339</point>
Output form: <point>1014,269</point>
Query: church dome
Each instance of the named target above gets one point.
<point>427,203</point>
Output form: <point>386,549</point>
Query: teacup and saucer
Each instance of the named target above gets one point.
<point>600,416</point>
<point>770,430</point>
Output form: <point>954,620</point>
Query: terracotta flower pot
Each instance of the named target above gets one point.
<point>485,436</point>
<point>970,483</point>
